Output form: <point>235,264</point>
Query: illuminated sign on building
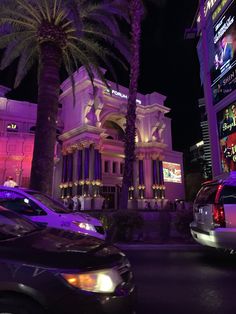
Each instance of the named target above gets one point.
<point>219,9</point>
<point>223,70</point>
<point>207,7</point>
<point>172,172</point>
<point>121,95</point>
<point>227,137</point>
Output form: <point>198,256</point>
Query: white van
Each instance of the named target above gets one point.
<point>43,209</point>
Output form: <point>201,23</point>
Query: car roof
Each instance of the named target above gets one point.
<point>18,188</point>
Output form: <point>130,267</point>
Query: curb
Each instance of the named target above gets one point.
<point>161,247</point>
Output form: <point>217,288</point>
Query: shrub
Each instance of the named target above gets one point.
<point>183,219</point>
<point>125,223</point>
<point>164,225</point>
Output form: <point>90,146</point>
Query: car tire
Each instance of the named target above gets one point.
<point>19,305</point>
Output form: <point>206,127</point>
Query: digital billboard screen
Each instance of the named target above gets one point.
<point>227,136</point>
<point>172,172</point>
<point>223,71</point>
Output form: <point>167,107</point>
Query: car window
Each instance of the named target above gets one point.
<point>50,203</point>
<point>228,195</point>
<point>8,194</point>
<point>207,194</point>
<point>12,225</point>
<point>23,206</point>
<point>20,204</point>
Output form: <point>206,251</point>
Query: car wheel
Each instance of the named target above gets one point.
<point>18,305</point>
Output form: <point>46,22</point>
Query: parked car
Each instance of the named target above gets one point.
<point>55,271</point>
<point>214,211</point>
<point>43,209</point>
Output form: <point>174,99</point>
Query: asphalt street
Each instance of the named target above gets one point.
<point>183,279</point>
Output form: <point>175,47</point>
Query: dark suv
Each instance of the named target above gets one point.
<point>53,271</point>
<point>215,214</point>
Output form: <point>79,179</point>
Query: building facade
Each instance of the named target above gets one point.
<point>217,56</point>
<point>89,157</point>
<point>93,148</point>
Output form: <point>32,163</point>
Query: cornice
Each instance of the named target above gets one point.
<point>81,130</point>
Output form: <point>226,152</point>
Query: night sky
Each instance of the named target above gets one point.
<point>169,65</point>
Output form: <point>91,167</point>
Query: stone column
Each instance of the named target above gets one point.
<point>70,161</point>
<point>79,172</point>
<point>97,179</point>
<point>85,199</point>
<point>136,178</point>
<point>63,184</point>
<point>147,170</point>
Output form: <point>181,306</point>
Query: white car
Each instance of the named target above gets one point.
<point>214,212</point>
<point>43,209</point>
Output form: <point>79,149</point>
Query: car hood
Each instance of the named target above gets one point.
<point>81,218</point>
<point>55,248</point>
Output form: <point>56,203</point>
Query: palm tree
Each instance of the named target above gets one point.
<point>56,33</point>
<point>136,12</point>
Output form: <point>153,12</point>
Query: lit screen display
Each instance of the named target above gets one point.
<point>223,71</point>
<point>172,172</point>
<point>227,136</point>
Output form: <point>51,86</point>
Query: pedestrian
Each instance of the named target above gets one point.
<point>75,202</point>
<point>10,182</point>
<point>156,205</point>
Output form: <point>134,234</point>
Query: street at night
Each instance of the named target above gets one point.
<point>117,126</point>
<point>182,279</point>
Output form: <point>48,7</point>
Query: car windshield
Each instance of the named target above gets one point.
<point>50,203</point>
<point>13,225</point>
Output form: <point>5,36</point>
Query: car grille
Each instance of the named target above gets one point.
<point>100,229</point>
<point>125,272</point>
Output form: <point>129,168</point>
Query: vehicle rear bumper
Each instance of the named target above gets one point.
<point>224,238</point>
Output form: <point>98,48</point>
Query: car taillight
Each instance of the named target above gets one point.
<point>219,215</point>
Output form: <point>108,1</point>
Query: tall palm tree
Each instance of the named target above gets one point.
<point>136,11</point>
<point>56,33</point>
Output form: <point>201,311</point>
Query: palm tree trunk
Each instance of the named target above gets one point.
<point>45,134</point>
<point>136,10</point>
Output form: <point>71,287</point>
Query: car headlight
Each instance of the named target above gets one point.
<point>84,225</point>
<point>103,281</point>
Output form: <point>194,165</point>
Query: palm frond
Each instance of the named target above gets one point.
<point>84,59</point>
<point>12,13</point>
<point>70,71</point>
<point>41,9</point>
<point>27,59</point>
<point>15,22</point>
<point>47,10</point>
<point>120,44</point>
<point>62,14</point>
<point>14,50</point>
<point>30,9</point>
<point>8,38</point>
